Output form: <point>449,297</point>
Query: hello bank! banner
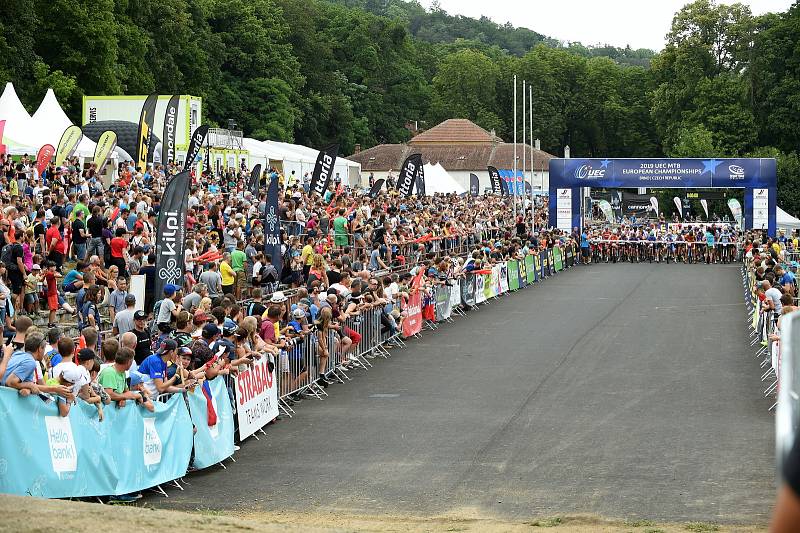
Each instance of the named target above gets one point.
<point>45,455</point>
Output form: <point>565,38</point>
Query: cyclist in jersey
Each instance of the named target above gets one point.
<point>710,255</point>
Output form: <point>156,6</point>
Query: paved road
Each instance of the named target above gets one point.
<point>622,390</point>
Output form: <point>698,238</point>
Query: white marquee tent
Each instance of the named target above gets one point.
<point>26,134</point>
<point>437,180</point>
<point>786,221</point>
<point>349,171</point>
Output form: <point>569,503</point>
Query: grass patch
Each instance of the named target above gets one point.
<point>701,527</point>
<point>209,512</point>
<point>653,530</point>
<point>547,522</point>
<point>639,523</point>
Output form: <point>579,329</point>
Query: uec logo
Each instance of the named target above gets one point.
<point>587,172</point>
<point>736,171</point>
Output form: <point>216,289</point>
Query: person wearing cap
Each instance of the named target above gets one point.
<point>154,369</point>
<point>169,309</point>
<point>142,336</point>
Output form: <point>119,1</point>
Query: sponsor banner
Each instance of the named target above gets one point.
<point>532,268</point>
<point>256,392</point>
<point>550,264</point>
<point>272,228</point>
<point>557,261</point>
<point>43,157</point>
<point>413,322</point>
<point>474,185</point>
<point>68,144</point>
<point>170,130</point>
<point>198,138</point>
<point>514,274</point>
<point>570,256</point>
<point>544,268</point>
<point>503,278</point>
<point>323,169</point>
<point>2,128</point>
<point>420,180</point>
<point>376,188</point>
<point>481,284</point>
<point>146,119</point>
<point>171,234</point>
<point>105,146</point>
<point>490,285</point>
<point>255,181</point>
<point>213,442</point>
<point>455,294</point>
<point>495,180</point>
<point>408,174</point>
<point>736,210</point>
<point>704,205</point>
<point>79,456</point>
<point>605,208</point>
<point>442,303</point>
<point>522,274</point>
<point>468,290</point>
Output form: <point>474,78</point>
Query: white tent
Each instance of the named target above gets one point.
<point>437,180</point>
<point>349,171</point>
<point>50,121</point>
<point>16,134</point>
<point>260,153</point>
<point>786,221</point>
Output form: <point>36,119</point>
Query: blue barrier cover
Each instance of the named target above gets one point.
<point>45,455</point>
<point>212,444</point>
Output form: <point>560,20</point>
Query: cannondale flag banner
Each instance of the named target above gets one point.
<point>474,185</point>
<point>421,180</point>
<point>68,143</point>
<point>171,236</point>
<point>679,205</point>
<point>43,157</point>
<point>255,179</point>
<point>323,169</point>
<point>146,119</point>
<point>272,227</point>
<point>198,138</point>
<point>105,145</point>
<point>408,175</point>
<point>170,127</point>
<point>496,181</point>
<point>376,188</point>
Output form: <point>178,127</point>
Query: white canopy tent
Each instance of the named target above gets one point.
<point>16,134</point>
<point>786,221</point>
<point>260,153</point>
<point>50,121</point>
<point>437,180</point>
<point>349,171</point>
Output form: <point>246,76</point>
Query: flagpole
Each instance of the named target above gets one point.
<point>514,171</point>
<point>524,151</point>
<point>533,154</point>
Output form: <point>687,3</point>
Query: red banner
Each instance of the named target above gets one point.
<point>46,153</point>
<point>413,321</point>
<point>2,146</point>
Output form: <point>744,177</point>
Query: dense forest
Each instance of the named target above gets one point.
<point>727,83</point>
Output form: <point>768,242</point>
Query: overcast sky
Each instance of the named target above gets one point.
<point>638,23</point>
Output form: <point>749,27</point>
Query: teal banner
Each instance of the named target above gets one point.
<point>212,443</point>
<point>49,456</point>
<point>513,275</point>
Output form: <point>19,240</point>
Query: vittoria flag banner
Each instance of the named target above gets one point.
<point>146,119</point>
<point>496,181</point>
<point>255,179</point>
<point>376,188</point>
<point>323,170</point>
<point>408,174</point>
<point>421,180</point>
<point>198,138</point>
<point>171,235</point>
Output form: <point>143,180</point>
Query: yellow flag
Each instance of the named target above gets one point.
<point>68,143</point>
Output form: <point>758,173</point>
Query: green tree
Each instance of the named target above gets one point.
<point>694,141</point>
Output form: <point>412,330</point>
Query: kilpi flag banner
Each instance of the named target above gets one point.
<point>49,456</point>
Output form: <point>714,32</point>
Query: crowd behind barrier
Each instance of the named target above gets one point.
<point>132,449</point>
<point>769,282</point>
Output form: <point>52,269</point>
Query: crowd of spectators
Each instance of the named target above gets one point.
<point>70,244</point>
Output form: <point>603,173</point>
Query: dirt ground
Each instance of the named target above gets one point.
<point>28,515</point>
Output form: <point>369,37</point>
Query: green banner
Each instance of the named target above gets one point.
<point>532,264</point>
<point>557,263</point>
<point>513,275</point>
